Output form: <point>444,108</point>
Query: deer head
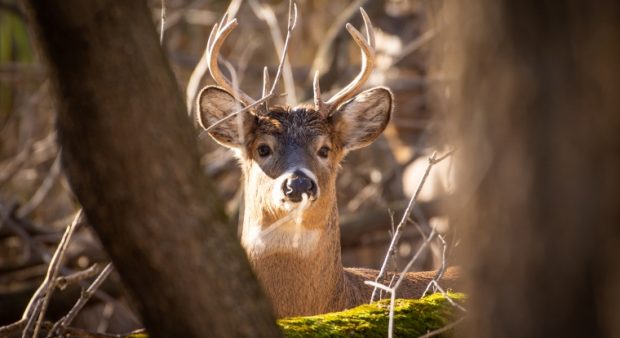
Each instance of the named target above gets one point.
<point>291,154</point>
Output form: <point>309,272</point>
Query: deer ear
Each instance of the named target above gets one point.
<point>214,104</point>
<point>362,119</point>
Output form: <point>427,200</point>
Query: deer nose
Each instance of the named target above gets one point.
<point>297,185</point>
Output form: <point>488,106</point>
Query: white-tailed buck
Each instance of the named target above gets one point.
<point>290,157</point>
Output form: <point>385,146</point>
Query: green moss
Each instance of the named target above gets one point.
<point>137,335</point>
<point>412,318</point>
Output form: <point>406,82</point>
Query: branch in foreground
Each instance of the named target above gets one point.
<point>35,311</point>
<point>432,161</point>
<point>66,320</point>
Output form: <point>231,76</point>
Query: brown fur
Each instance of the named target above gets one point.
<point>300,286</point>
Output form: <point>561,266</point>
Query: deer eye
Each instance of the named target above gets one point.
<point>323,152</point>
<point>263,150</point>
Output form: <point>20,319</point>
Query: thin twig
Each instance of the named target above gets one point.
<point>46,289</point>
<point>413,46</point>
<point>441,269</point>
<point>433,160</point>
<point>292,21</point>
<point>401,278</point>
<point>266,13</point>
<point>84,298</point>
<point>162,22</point>
<point>245,109</point>
<point>414,259</point>
<point>64,281</point>
<point>448,298</point>
<point>31,320</point>
<point>443,329</point>
<point>392,289</point>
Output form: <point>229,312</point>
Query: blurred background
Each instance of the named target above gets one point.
<point>374,185</point>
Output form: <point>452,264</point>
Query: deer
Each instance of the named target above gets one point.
<point>290,157</point>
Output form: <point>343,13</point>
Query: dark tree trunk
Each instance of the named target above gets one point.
<point>536,108</point>
<point>128,149</point>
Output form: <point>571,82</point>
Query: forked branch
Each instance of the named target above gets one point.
<point>432,161</point>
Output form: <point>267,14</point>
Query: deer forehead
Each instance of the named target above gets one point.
<point>298,126</point>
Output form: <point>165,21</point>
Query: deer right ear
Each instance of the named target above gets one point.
<point>362,119</point>
<point>215,104</point>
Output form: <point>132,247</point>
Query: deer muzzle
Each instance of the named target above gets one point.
<point>297,184</point>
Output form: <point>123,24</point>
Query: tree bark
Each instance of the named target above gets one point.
<point>536,111</point>
<point>129,152</point>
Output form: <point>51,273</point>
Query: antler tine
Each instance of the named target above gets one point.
<point>215,31</point>
<point>222,32</point>
<point>318,104</point>
<point>266,86</point>
<point>266,83</point>
<point>370,30</point>
<point>368,61</point>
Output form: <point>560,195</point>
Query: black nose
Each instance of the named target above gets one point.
<point>297,185</point>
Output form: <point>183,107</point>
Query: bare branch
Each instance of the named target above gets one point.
<point>84,298</point>
<point>413,46</point>
<point>414,259</point>
<point>392,289</point>
<point>44,293</point>
<point>245,109</point>
<point>266,13</point>
<point>433,160</point>
<point>162,22</point>
<point>443,329</point>
<point>64,281</point>
<point>292,21</point>
<point>441,269</point>
<point>448,298</point>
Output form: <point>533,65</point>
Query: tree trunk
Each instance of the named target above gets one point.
<point>536,109</point>
<point>129,151</point>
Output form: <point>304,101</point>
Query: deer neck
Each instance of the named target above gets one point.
<point>298,265</point>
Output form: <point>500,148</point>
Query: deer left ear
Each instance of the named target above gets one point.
<point>362,119</point>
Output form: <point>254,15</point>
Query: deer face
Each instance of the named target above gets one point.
<point>287,153</point>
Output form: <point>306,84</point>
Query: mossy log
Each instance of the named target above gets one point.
<point>412,318</point>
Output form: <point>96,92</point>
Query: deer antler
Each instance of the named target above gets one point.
<point>219,33</point>
<point>367,47</point>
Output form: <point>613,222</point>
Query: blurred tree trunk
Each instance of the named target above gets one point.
<point>536,109</point>
<point>128,149</point>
